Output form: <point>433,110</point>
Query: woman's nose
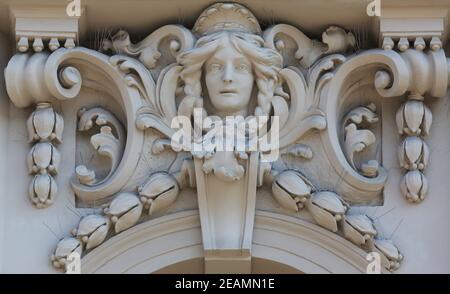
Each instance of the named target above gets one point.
<point>228,74</point>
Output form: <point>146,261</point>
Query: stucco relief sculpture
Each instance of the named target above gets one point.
<point>325,131</point>
<point>44,126</point>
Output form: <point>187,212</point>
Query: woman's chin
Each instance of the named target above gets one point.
<point>229,111</point>
<point>231,107</point>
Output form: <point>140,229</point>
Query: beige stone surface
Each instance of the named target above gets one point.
<point>85,129</point>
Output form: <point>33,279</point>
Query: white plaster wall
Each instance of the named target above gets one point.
<point>30,233</point>
<point>423,232</point>
<point>4,110</point>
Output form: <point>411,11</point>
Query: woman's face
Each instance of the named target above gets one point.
<point>229,80</point>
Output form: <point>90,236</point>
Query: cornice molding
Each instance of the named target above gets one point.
<point>412,27</point>
<point>39,27</point>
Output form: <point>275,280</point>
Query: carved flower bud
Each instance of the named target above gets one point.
<point>64,248</point>
<point>327,208</point>
<point>389,253</point>
<point>43,158</point>
<point>358,229</point>
<point>43,190</point>
<point>92,230</point>
<point>413,154</point>
<point>125,210</point>
<point>414,186</point>
<point>290,190</point>
<point>159,192</point>
<point>414,118</point>
<point>45,124</point>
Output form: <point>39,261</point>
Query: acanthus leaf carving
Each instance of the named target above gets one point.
<point>300,150</point>
<point>104,142</point>
<point>300,108</point>
<point>335,39</point>
<point>111,81</point>
<point>326,207</point>
<point>311,90</point>
<point>357,140</point>
<point>147,51</point>
<point>161,109</point>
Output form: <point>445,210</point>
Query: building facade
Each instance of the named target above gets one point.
<point>224,137</point>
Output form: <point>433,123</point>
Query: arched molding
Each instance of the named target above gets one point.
<point>174,238</point>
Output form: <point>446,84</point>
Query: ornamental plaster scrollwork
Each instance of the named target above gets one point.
<point>310,86</point>
<point>414,118</point>
<point>104,142</point>
<point>147,51</point>
<point>356,140</point>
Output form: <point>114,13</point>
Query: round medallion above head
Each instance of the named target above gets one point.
<point>226,17</point>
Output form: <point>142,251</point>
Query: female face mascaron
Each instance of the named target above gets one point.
<point>229,80</point>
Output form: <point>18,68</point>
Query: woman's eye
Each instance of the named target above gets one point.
<point>243,67</point>
<point>215,66</point>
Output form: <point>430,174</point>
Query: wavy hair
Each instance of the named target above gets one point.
<point>266,64</point>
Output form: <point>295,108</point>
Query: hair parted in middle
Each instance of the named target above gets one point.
<point>266,64</point>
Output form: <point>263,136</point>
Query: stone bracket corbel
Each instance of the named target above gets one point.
<point>227,213</point>
<point>428,72</point>
<point>424,29</point>
<point>40,29</point>
<point>401,27</point>
<point>45,27</point>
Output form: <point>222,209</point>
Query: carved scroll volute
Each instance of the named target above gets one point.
<point>59,76</point>
<point>110,77</point>
<point>226,181</point>
<point>413,72</point>
<point>148,50</point>
<point>25,82</point>
<point>369,179</point>
<point>307,52</point>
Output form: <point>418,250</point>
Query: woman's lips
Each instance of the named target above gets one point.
<point>228,91</point>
